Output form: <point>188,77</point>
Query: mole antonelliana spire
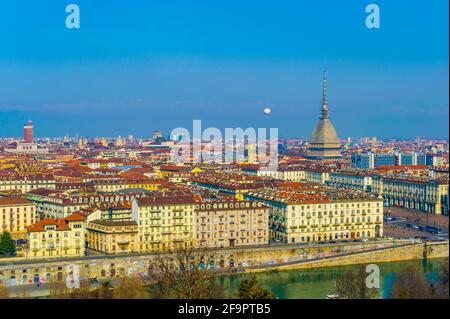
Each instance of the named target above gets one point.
<point>324,111</point>
<point>324,142</point>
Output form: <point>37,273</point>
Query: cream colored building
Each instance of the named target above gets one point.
<point>26,183</point>
<point>293,174</point>
<point>324,216</point>
<point>231,224</point>
<point>15,215</point>
<point>317,175</point>
<point>164,222</point>
<point>351,178</point>
<point>53,238</point>
<point>112,236</point>
<point>421,193</point>
<point>57,204</point>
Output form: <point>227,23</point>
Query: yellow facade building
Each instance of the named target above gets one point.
<point>164,222</point>
<point>15,215</point>
<point>303,218</point>
<point>112,236</point>
<point>52,238</point>
<point>26,183</point>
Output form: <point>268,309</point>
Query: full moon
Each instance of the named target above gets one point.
<point>267,110</point>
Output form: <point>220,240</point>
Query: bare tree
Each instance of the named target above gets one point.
<point>249,289</point>
<point>58,289</point>
<point>352,285</point>
<point>411,284</point>
<point>4,293</point>
<point>130,288</point>
<point>186,273</point>
<point>443,283</point>
<point>83,292</point>
<point>103,291</point>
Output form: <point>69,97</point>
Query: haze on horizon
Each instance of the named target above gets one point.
<point>137,67</point>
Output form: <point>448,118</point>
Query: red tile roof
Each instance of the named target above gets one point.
<point>75,217</point>
<point>61,224</point>
<point>13,201</point>
<point>40,226</point>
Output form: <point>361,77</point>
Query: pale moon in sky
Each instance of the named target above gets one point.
<point>267,110</point>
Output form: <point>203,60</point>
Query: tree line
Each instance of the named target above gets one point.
<point>409,283</point>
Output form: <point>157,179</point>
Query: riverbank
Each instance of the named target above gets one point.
<point>411,251</point>
<point>317,283</point>
<point>228,262</point>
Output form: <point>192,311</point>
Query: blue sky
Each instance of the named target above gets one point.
<point>138,66</point>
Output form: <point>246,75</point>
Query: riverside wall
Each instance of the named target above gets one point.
<point>392,254</point>
<point>18,271</point>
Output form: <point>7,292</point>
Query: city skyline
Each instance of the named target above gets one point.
<point>158,72</point>
<point>233,151</point>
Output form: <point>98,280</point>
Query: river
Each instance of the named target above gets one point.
<point>317,283</point>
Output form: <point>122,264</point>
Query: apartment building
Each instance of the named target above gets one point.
<point>113,236</point>
<point>165,222</point>
<point>26,183</point>
<point>52,238</point>
<point>15,215</point>
<point>231,223</point>
<point>299,217</point>
<point>420,193</point>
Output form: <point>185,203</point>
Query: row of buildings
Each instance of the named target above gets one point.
<point>292,213</point>
<point>148,224</point>
<point>374,160</point>
<point>413,191</point>
<point>128,197</point>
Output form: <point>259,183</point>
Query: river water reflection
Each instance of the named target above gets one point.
<point>317,283</point>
